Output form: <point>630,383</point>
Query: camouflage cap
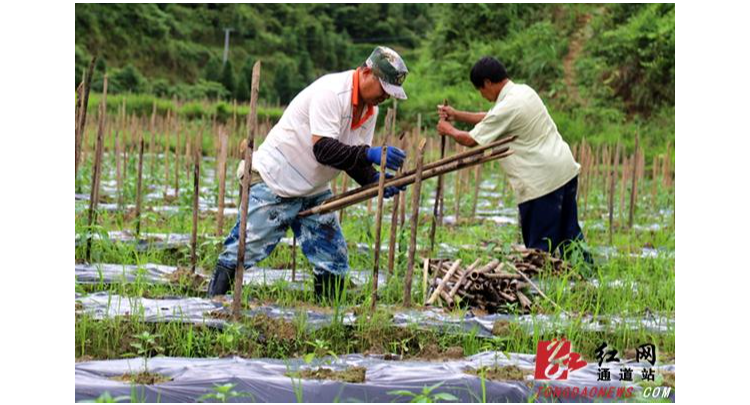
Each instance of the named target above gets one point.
<point>388,66</point>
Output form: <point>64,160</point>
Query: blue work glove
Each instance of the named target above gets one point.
<point>389,191</point>
<point>393,160</point>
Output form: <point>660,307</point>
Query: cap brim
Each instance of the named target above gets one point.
<point>393,90</point>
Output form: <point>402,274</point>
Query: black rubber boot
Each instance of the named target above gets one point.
<point>329,287</point>
<point>221,281</point>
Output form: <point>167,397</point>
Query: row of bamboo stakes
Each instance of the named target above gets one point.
<point>604,166</point>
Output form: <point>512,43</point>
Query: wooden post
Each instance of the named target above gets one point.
<point>634,184</point>
<point>415,193</point>
<point>252,121</point>
<point>378,225</point>
<point>477,182</point>
<point>623,184</point>
<point>344,185</point>
<point>139,185</point>
<point>294,257</point>
<point>167,151</point>
<point>444,281</point>
<point>82,110</point>
<point>152,130</point>
<point>123,148</point>
<point>222,174</point>
<point>425,270</point>
<point>437,215</point>
<point>457,192</point>
<point>118,169</point>
<point>654,175</point>
<point>612,183</point>
<point>196,197</point>
<point>667,169</point>
<point>402,201</point>
<point>96,173</point>
<point>177,160</point>
<point>394,209</point>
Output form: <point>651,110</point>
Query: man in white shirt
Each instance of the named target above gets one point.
<point>542,170</point>
<point>327,128</point>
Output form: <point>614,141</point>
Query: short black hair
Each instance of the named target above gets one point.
<point>487,68</point>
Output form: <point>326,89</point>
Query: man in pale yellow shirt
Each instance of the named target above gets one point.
<point>542,170</point>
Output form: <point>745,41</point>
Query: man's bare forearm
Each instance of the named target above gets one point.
<point>463,138</point>
<point>468,117</point>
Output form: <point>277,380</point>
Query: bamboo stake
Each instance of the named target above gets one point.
<point>139,185</point>
<point>83,109</point>
<point>612,183</point>
<point>222,173</point>
<point>623,184</point>
<point>294,257</point>
<point>118,169</point>
<point>457,189</point>
<point>654,173</point>
<point>634,185</point>
<point>437,212</point>
<point>366,193</point>
<point>166,154</point>
<point>196,197</point>
<point>465,274</point>
<point>477,182</point>
<point>96,175</point>
<point>394,209</point>
<point>431,165</point>
<point>669,167</point>
<point>177,160</point>
<point>444,281</point>
<point>152,130</point>
<point>414,223</point>
<point>252,121</point>
<point>344,185</point>
<point>378,225</point>
<point>425,270</point>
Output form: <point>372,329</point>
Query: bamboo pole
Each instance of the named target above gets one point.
<point>429,166</point>
<point>152,140</point>
<point>177,159</point>
<point>425,270</point>
<point>83,109</point>
<point>118,169</point>
<point>394,210</point>
<point>294,257</point>
<point>477,182</point>
<point>378,225</point>
<point>654,174</point>
<point>443,282</point>
<point>457,188</point>
<point>167,150</point>
<point>139,185</point>
<point>196,197</point>
<point>634,185</point>
<point>623,184</point>
<point>344,186</point>
<point>252,121</point>
<point>666,170</point>
<point>222,174</point>
<point>437,212</point>
<point>96,173</point>
<point>612,183</point>
<point>415,193</point>
<point>367,193</point>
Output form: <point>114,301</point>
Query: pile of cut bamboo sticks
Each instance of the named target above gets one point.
<point>493,286</point>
